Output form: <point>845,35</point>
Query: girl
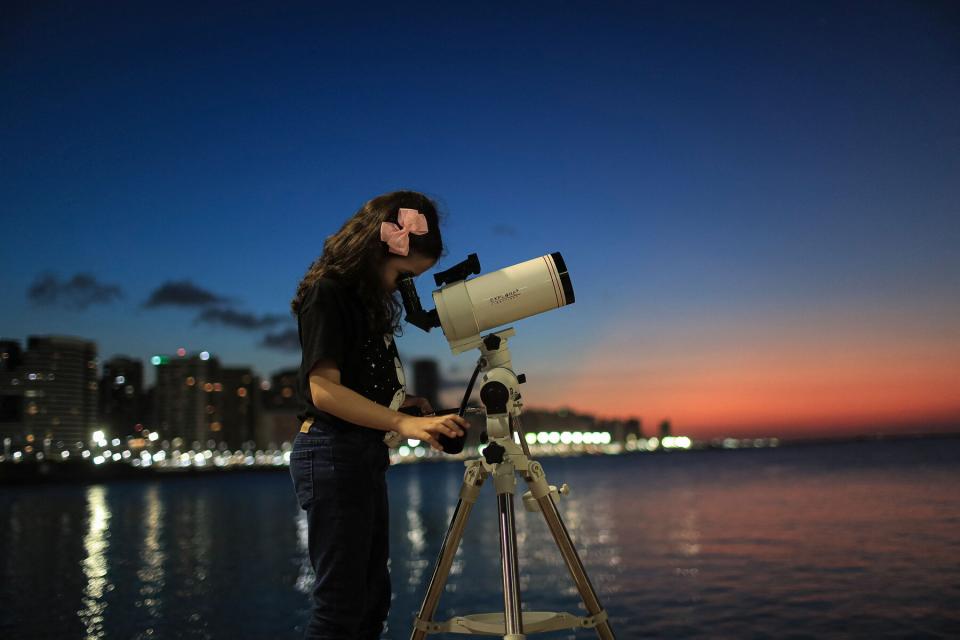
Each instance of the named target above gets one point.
<point>350,386</point>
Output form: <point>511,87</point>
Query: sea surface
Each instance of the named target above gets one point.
<point>852,540</point>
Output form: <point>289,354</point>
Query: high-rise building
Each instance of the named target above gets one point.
<point>239,406</point>
<point>278,422</point>
<point>122,401</point>
<point>59,378</point>
<point>426,380</point>
<point>11,391</point>
<point>186,398</point>
<point>282,393</point>
<point>666,429</point>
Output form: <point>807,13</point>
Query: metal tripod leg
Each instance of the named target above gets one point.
<point>562,537</point>
<point>473,479</point>
<point>513,617</point>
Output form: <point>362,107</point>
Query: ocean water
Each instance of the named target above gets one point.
<point>854,540</point>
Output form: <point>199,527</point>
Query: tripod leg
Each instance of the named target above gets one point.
<point>513,617</point>
<point>537,482</point>
<point>473,479</point>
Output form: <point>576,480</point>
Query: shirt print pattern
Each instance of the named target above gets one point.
<point>383,380</point>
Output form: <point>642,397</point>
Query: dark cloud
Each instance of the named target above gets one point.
<point>79,292</point>
<point>238,319</point>
<point>504,230</point>
<point>182,293</point>
<point>286,340</point>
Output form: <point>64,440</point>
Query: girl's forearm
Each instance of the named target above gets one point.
<point>351,406</point>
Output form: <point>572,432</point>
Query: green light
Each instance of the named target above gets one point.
<point>158,360</point>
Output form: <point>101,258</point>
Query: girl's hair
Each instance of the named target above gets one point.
<point>355,254</point>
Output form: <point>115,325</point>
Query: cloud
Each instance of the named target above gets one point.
<point>182,293</point>
<point>238,319</point>
<point>218,310</point>
<point>286,340</point>
<point>78,293</point>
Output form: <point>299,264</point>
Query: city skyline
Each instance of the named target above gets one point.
<point>758,210</point>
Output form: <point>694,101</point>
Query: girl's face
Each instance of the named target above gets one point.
<point>394,266</point>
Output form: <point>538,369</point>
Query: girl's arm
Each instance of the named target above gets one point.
<point>329,395</point>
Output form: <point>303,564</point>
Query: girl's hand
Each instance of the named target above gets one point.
<point>418,401</point>
<point>429,428</point>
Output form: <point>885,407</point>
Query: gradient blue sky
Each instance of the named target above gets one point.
<point>743,192</point>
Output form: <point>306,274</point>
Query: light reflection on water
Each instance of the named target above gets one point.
<point>94,565</point>
<point>152,558</point>
<point>853,540</point>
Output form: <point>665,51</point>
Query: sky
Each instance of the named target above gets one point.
<point>758,202</point>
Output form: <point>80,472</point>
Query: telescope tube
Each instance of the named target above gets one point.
<point>468,307</point>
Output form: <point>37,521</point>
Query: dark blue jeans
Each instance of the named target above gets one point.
<point>340,481</point>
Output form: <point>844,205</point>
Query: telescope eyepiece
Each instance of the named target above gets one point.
<point>459,271</point>
<point>416,316</point>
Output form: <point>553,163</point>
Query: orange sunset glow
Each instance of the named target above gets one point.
<point>828,377</point>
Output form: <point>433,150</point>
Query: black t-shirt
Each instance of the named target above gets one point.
<point>332,324</point>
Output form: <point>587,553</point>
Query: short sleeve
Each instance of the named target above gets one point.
<point>324,329</point>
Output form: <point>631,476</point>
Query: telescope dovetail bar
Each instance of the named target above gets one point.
<point>464,309</point>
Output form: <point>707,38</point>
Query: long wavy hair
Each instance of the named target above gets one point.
<point>355,254</point>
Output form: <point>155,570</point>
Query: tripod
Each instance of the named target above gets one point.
<point>503,458</point>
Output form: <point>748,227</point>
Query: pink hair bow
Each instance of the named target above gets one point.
<point>397,236</point>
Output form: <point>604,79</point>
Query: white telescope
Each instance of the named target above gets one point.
<point>466,308</point>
